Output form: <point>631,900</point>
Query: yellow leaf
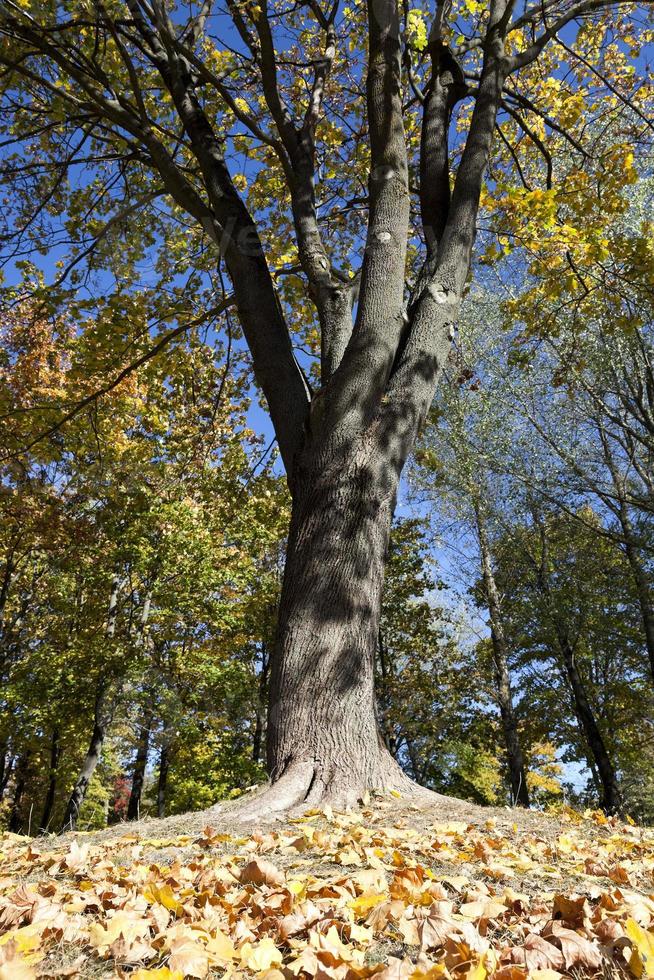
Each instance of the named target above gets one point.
<point>159,973</point>
<point>221,948</point>
<point>163,894</point>
<point>365,902</point>
<point>262,956</point>
<point>26,941</point>
<point>478,972</point>
<point>641,963</point>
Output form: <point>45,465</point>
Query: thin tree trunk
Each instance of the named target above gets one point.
<point>22,772</point>
<point>164,765</point>
<point>323,738</point>
<point>55,755</point>
<point>138,777</point>
<point>105,705</point>
<point>260,721</point>
<point>515,758</point>
<point>103,710</point>
<point>93,755</point>
<point>643,591</point>
<point>9,762</point>
<point>381,698</point>
<point>611,800</point>
<point>640,577</point>
<point>4,753</point>
<point>5,584</point>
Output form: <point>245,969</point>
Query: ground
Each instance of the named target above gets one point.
<point>394,889</point>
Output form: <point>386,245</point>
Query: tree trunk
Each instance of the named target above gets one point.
<point>644,592</point>
<point>55,754</point>
<point>323,739</point>
<point>260,721</point>
<point>22,770</point>
<point>4,760</point>
<point>134,805</point>
<point>93,755</point>
<point>611,799</point>
<point>632,549</point>
<point>515,758</point>
<point>164,765</point>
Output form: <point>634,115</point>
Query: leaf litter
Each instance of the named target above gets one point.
<point>386,891</point>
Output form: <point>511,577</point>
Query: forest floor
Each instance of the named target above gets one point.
<point>395,890</point>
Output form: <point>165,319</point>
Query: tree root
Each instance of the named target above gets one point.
<point>303,785</point>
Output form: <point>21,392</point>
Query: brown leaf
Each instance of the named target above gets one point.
<point>571,909</point>
<point>396,969</point>
<point>131,951</point>
<point>608,931</point>
<point>537,954</point>
<point>576,950</point>
<point>510,972</point>
<point>261,872</point>
<point>438,926</point>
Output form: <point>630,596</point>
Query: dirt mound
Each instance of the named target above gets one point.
<point>393,889</point>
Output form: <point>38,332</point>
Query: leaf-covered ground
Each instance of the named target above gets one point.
<point>393,890</point>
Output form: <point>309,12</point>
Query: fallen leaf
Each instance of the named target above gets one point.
<point>262,956</point>
<point>159,973</point>
<point>537,954</point>
<point>261,872</point>
<point>438,926</point>
<point>641,963</point>
<point>164,895</point>
<point>188,957</point>
<point>576,950</point>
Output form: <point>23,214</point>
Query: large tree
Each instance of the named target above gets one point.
<point>126,121</point>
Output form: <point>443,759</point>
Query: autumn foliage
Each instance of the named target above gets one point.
<point>392,891</point>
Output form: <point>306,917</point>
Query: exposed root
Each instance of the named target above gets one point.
<point>303,785</point>
<point>276,798</point>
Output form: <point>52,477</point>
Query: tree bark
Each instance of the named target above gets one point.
<point>643,589</point>
<point>55,755</point>
<point>611,798</point>
<point>141,761</point>
<point>631,547</point>
<point>22,771</point>
<point>382,698</point>
<point>4,754</point>
<point>515,758</point>
<point>93,755</point>
<point>323,739</point>
<point>164,765</point>
<point>260,720</point>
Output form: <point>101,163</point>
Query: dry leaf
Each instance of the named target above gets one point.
<point>262,956</point>
<point>537,954</point>
<point>159,973</point>
<point>188,957</point>
<point>261,872</point>
<point>576,950</point>
<point>641,963</point>
<point>438,926</point>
